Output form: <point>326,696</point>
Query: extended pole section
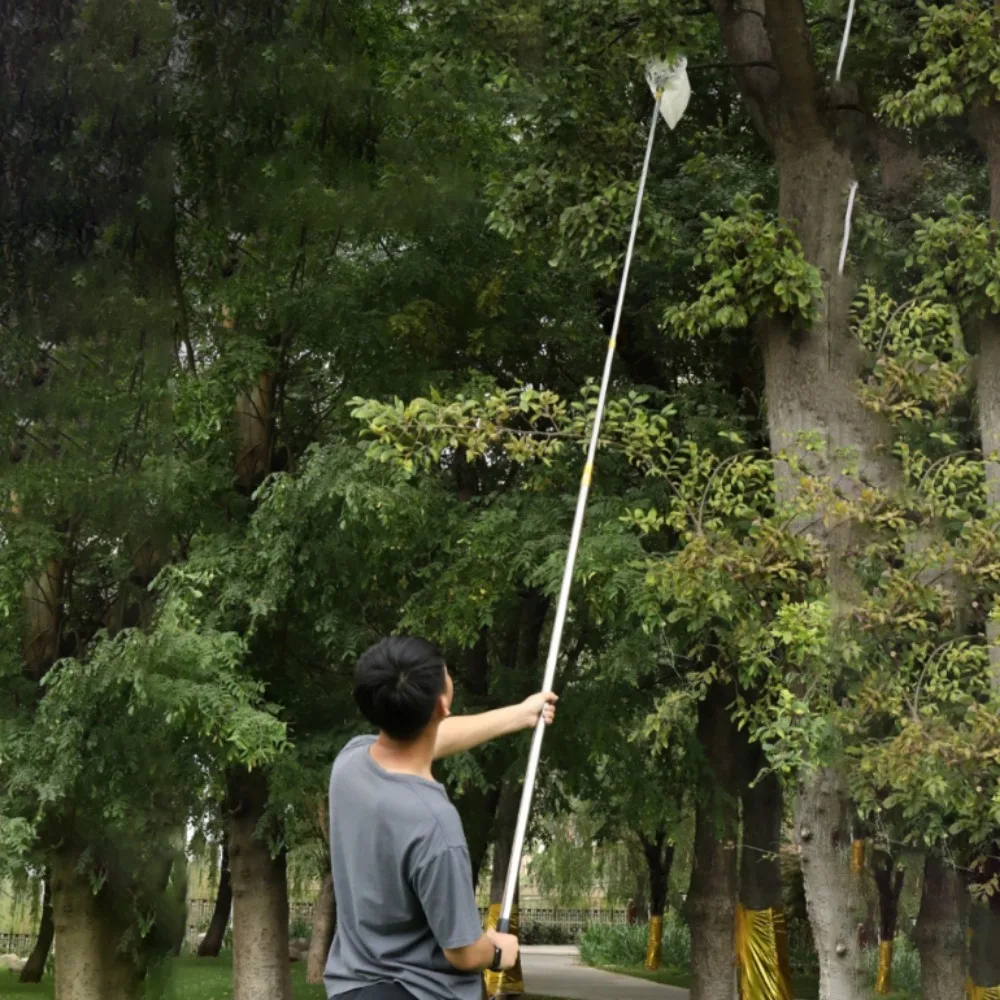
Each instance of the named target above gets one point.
<point>524,813</point>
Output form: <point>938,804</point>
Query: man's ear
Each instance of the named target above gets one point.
<point>443,707</point>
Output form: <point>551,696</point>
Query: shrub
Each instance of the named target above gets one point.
<point>624,945</point>
<point>533,933</point>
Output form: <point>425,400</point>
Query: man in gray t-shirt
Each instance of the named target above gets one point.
<point>408,927</point>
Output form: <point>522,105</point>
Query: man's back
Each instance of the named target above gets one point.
<point>402,879</point>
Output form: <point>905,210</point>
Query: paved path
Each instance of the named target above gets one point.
<point>556,972</point>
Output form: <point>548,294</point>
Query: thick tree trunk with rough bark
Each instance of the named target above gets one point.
<point>940,935</point>
<point>834,896</point>
<point>88,932</point>
<point>711,904</point>
<point>811,380</point>
<point>35,966</point>
<point>211,943</point>
<point>323,925</point>
<point>261,969</point>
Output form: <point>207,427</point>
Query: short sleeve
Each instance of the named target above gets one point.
<point>444,887</point>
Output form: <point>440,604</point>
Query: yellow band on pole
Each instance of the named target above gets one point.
<point>883,980</point>
<point>588,474</point>
<point>857,857</point>
<point>762,954</point>
<point>510,983</point>
<point>654,944</point>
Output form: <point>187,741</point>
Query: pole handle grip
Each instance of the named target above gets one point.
<point>503,925</point>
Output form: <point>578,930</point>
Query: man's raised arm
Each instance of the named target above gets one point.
<point>459,733</point>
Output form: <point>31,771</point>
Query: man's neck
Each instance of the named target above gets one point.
<point>415,757</point>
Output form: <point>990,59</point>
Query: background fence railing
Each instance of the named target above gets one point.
<point>17,944</point>
<point>569,921</point>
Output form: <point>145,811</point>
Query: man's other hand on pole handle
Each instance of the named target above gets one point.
<point>509,947</point>
<point>543,704</point>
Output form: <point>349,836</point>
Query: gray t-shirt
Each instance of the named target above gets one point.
<point>402,880</point>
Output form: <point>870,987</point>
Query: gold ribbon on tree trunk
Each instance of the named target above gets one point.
<point>883,980</point>
<point>762,954</point>
<point>983,992</point>
<point>654,943</point>
<point>510,983</point>
<point>857,857</point>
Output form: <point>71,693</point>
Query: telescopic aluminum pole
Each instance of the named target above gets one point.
<point>524,813</point>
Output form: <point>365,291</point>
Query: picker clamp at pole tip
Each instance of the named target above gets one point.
<point>670,86</point>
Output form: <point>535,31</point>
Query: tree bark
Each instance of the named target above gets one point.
<point>833,896</point>
<point>211,943</point>
<point>323,925</point>
<point>711,904</point>
<point>88,932</point>
<point>34,968</point>
<point>940,935</point>
<point>261,969</point>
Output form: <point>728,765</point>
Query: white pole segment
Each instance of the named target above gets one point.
<point>517,847</point>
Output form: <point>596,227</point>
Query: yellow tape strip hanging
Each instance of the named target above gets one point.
<point>762,954</point>
<point>654,944</point>
<point>510,983</point>
<point>883,980</point>
<point>983,992</point>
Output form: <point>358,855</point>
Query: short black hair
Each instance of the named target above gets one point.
<point>397,684</point>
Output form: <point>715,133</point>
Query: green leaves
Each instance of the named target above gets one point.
<point>755,268</point>
<point>960,53</point>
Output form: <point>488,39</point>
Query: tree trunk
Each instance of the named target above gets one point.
<point>761,932</point>
<point>940,935</point>
<point>88,934</point>
<point>833,895</point>
<point>34,968</point>
<point>659,853</point>
<point>211,943</point>
<point>324,924</point>
<point>261,968</point>
<point>179,901</point>
<point>986,126</point>
<point>711,904</point>
<point>889,884</point>
<point>984,946</point>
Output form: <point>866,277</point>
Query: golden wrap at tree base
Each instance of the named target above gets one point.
<point>883,980</point>
<point>983,992</point>
<point>510,983</point>
<point>654,943</point>
<point>762,954</point>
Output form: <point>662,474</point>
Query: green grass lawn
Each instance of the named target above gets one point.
<point>190,979</point>
<point>806,988</point>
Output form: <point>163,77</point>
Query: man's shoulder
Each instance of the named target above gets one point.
<point>353,746</point>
